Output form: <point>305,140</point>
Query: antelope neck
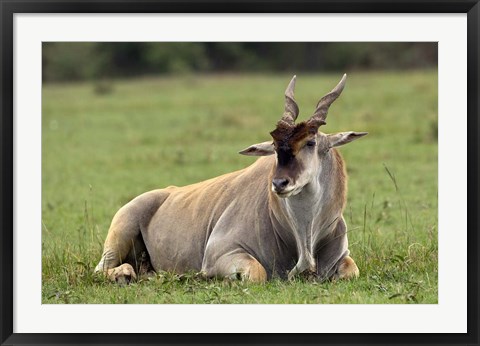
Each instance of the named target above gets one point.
<point>304,218</point>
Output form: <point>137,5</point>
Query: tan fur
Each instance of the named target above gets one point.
<point>255,272</point>
<point>348,269</point>
<point>341,178</point>
<point>122,274</point>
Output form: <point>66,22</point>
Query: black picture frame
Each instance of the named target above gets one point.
<point>10,7</point>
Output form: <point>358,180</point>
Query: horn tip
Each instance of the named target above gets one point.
<point>342,83</point>
<point>291,87</point>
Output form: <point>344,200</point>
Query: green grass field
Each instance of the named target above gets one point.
<point>99,150</point>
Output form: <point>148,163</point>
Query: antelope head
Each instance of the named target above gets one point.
<point>300,148</point>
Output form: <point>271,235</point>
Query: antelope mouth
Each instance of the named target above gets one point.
<point>284,193</point>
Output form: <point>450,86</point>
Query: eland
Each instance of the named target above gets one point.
<point>279,217</point>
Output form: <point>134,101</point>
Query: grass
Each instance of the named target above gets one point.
<point>99,150</point>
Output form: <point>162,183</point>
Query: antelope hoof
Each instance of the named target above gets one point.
<point>123,274</point>
<point>347,269</point>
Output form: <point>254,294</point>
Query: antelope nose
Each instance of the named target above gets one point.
<point>280,184</point>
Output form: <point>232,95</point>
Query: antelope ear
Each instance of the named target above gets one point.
<point>342,138</point>
<point>259,149</point>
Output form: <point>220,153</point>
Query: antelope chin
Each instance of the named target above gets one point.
<point>284,194</point>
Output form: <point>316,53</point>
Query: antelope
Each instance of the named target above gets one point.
<point>277,218</point>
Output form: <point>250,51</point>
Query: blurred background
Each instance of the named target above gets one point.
<point>95,60</point>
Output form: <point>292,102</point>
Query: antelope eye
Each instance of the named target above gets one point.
<point>311,143</point>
